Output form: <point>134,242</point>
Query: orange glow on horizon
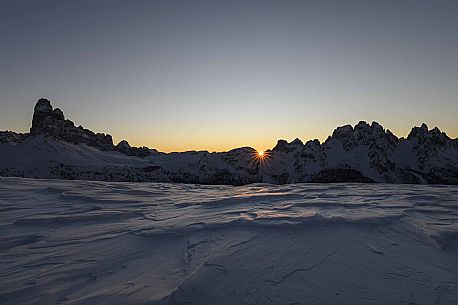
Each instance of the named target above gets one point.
<point>261,155</point>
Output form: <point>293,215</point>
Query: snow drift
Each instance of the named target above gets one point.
<point>81,242</point>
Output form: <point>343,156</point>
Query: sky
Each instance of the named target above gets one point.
<point>215,75</point>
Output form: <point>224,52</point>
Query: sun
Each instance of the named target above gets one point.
<point>261,155</point>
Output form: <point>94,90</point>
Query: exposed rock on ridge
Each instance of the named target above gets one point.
<point>363,153</point>
<point>52,122</point>
<point>11,137</point>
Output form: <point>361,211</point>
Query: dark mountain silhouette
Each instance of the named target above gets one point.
<point>56,148</point>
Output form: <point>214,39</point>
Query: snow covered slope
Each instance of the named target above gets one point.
<point>56,148</point>
<point>82,242</point>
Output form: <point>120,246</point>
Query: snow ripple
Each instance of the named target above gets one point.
<point>81,242</point>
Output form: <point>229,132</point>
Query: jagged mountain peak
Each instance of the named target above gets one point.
<point>43,115</point>
<point>360,153</point>
<point>43,105</point>
<point>123,144</point>
<point>312,143</point>
<point>423,131</point>
<point>362,125</point>
<point>341,132</point>
<point>430,137</point>
<point>42,110</point>
<point>51,122</point>
<point>418,131</point>
<point>375,124</point>
<point>283,145</point>
<point>361,134</point>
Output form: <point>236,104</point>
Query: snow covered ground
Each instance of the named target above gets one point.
<point>86,242</point>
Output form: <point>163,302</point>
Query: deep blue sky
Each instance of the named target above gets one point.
<point>179,75</point>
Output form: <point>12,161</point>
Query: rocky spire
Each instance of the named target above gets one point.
<point>434,137</point>
<point>51,122</point>
<point>44,115</point>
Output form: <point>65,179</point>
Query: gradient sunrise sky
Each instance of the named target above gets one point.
<point>215,75</point>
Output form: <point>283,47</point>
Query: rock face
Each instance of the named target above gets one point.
<point>141,152</point>
<point>369,153</point>
<point>51,122</point>
<point>361,153</point>
<point>11,137</point>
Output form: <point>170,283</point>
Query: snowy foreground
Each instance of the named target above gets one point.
<point>78,242</point>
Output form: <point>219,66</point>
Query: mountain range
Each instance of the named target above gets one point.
<point>55,148</point>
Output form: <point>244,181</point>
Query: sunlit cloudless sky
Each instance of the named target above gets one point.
<point>215,75</point>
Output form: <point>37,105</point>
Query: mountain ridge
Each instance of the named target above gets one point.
<point>361,153</point>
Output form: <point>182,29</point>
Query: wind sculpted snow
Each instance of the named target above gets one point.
<point>81,242</point>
